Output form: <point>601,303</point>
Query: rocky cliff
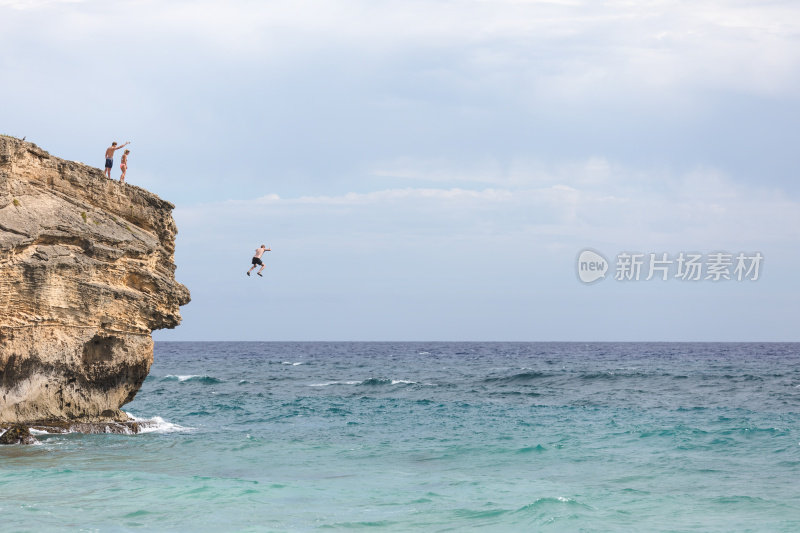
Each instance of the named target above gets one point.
<point>86,274</point>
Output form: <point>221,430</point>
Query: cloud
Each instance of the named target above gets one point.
<point>397,195</point>
<point>600,202</point>
<point>558,48</point>
<point>397,89</point>
<point>516,172</point>
<point>36,4</point>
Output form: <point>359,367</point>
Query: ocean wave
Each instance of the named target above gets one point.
<point>518,378</point>
<point>191,377</point>
<point>157,425</point>
<point>298,363</point>
<point>532,449</point>
<point>743,378</point>
<point>376,382</point>
<point>750,430</point>
<point>329,383</point>
<point>559,501</point>
<point>740,500</point>
<point>471,514</point>
<point>515,394</point>
<point>610,374</point>
<point>369,382</point>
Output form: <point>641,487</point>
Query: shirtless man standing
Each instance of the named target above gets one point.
<point>110,156</point>
<point>257,259</point>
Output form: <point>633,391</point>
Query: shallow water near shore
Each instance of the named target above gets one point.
<point>432,437</point>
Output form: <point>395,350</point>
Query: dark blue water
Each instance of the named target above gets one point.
<point>433,437</point>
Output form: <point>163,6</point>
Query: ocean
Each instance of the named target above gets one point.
<point>432,436</point>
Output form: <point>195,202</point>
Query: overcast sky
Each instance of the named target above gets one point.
<point>430,170</point>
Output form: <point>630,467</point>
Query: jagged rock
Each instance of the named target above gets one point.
<point>17,434</point>
<point>86,274</point>
<point>128,427</point>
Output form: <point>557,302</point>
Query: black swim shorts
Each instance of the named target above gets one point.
<point>257,261</point>
<point>109,162</point>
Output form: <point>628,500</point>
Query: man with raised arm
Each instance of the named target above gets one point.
<point>257,259</point>
<point>110,156</point>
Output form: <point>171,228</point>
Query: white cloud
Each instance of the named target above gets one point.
<point>399,88</point>
<point>517,172</point>
<point>36,4</point>
<point>703,208</point>
<point>396,195</point>
<point>565,49</point>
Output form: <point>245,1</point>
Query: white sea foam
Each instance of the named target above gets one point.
<point>192,377</point>
<point>182,378</point>
<point>291,363</point>
<point>157,425</point>
<point>326,384</point>
<point>371,381</point>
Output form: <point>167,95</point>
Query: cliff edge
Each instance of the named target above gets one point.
<point>86,273</point>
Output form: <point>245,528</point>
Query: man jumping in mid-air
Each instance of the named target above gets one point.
<point>257,259</point>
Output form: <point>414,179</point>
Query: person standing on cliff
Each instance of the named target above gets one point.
<point>123,165</point>
<point>110,156</point>
<point>257,259</point>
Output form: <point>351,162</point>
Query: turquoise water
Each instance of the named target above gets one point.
<point>433,437</point>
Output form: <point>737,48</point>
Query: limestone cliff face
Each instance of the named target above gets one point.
<point>86,273</point>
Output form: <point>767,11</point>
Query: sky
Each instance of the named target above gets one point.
<point>432,169</point>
